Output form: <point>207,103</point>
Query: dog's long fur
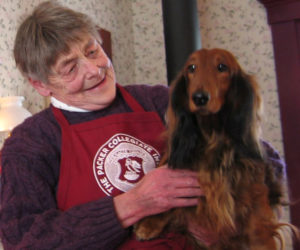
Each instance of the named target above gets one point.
<point>213,128</point>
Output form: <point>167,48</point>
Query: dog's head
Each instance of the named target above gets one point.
<point>213,87</point>
<point>208,75</point>
<point>211,81</point>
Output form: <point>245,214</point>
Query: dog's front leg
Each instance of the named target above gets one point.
<point>152,226</point>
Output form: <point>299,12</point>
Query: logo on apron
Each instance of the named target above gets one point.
<point>121,162</point>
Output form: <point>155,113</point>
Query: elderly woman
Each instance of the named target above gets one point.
<point>74,175</point>
<point>80,173</point>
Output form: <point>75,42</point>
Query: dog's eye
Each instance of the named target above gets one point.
<point>191,68</point>
<point>222,67</point>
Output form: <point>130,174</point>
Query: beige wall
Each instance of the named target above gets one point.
<point>241,27</point>
<point>114,15</point>
<point>149,50</point>
<point>138,44</point>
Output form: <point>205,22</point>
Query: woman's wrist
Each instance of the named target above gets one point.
<point>127,209</point>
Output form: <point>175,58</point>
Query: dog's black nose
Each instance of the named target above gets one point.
<point>201,98</point>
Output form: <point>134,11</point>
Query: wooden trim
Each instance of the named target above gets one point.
<point>284,12</point>
<point>271,3</point>
<point>284,18</point>
<point>106,41</point>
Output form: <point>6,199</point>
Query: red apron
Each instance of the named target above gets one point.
<point>108,156</point>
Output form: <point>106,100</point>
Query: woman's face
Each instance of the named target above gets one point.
<point>84,77</point>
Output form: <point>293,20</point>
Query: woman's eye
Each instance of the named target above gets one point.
<point>69,70</point>
<point>191,68</point>
<point>72,69</point>
<point>92,52</point>
<point>222,67</point>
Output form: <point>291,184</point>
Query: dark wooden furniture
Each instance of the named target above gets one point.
<point>106,41</point>
<point>284,19</point>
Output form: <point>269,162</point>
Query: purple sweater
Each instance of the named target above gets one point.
<point>29,218</point>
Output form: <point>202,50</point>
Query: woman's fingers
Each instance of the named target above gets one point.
<point>157,192</point>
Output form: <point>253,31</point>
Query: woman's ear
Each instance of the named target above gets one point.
<point>41,87</point>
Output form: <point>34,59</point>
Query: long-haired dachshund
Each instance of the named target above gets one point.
<point>213,128</point>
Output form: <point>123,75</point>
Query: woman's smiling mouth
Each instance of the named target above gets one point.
<point>97,85</point>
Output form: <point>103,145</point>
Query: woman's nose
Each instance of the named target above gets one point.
<point>90,67</point>
<point>93,66</point>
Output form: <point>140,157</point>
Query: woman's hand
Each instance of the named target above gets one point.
<point>158,191</point>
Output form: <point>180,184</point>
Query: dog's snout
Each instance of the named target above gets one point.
<point>201,98</point>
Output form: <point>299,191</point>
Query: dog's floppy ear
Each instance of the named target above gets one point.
<point>179,93</point>
<point>238,113</point>
<point>184,135</point>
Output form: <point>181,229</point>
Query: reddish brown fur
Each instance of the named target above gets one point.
<point>232,169</point>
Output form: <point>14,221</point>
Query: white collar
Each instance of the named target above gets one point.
<point>61,105</point>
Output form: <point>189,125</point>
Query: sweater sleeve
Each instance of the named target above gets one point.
<point>29,218</point>
<point>275,160</point>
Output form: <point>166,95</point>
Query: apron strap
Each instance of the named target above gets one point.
<point>60,117</point>
<point>132,103</point>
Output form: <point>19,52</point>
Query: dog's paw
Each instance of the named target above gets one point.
<point>143,231</point>
<point>151,227</point>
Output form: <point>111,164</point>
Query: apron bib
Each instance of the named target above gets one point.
<point>108,156</point>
